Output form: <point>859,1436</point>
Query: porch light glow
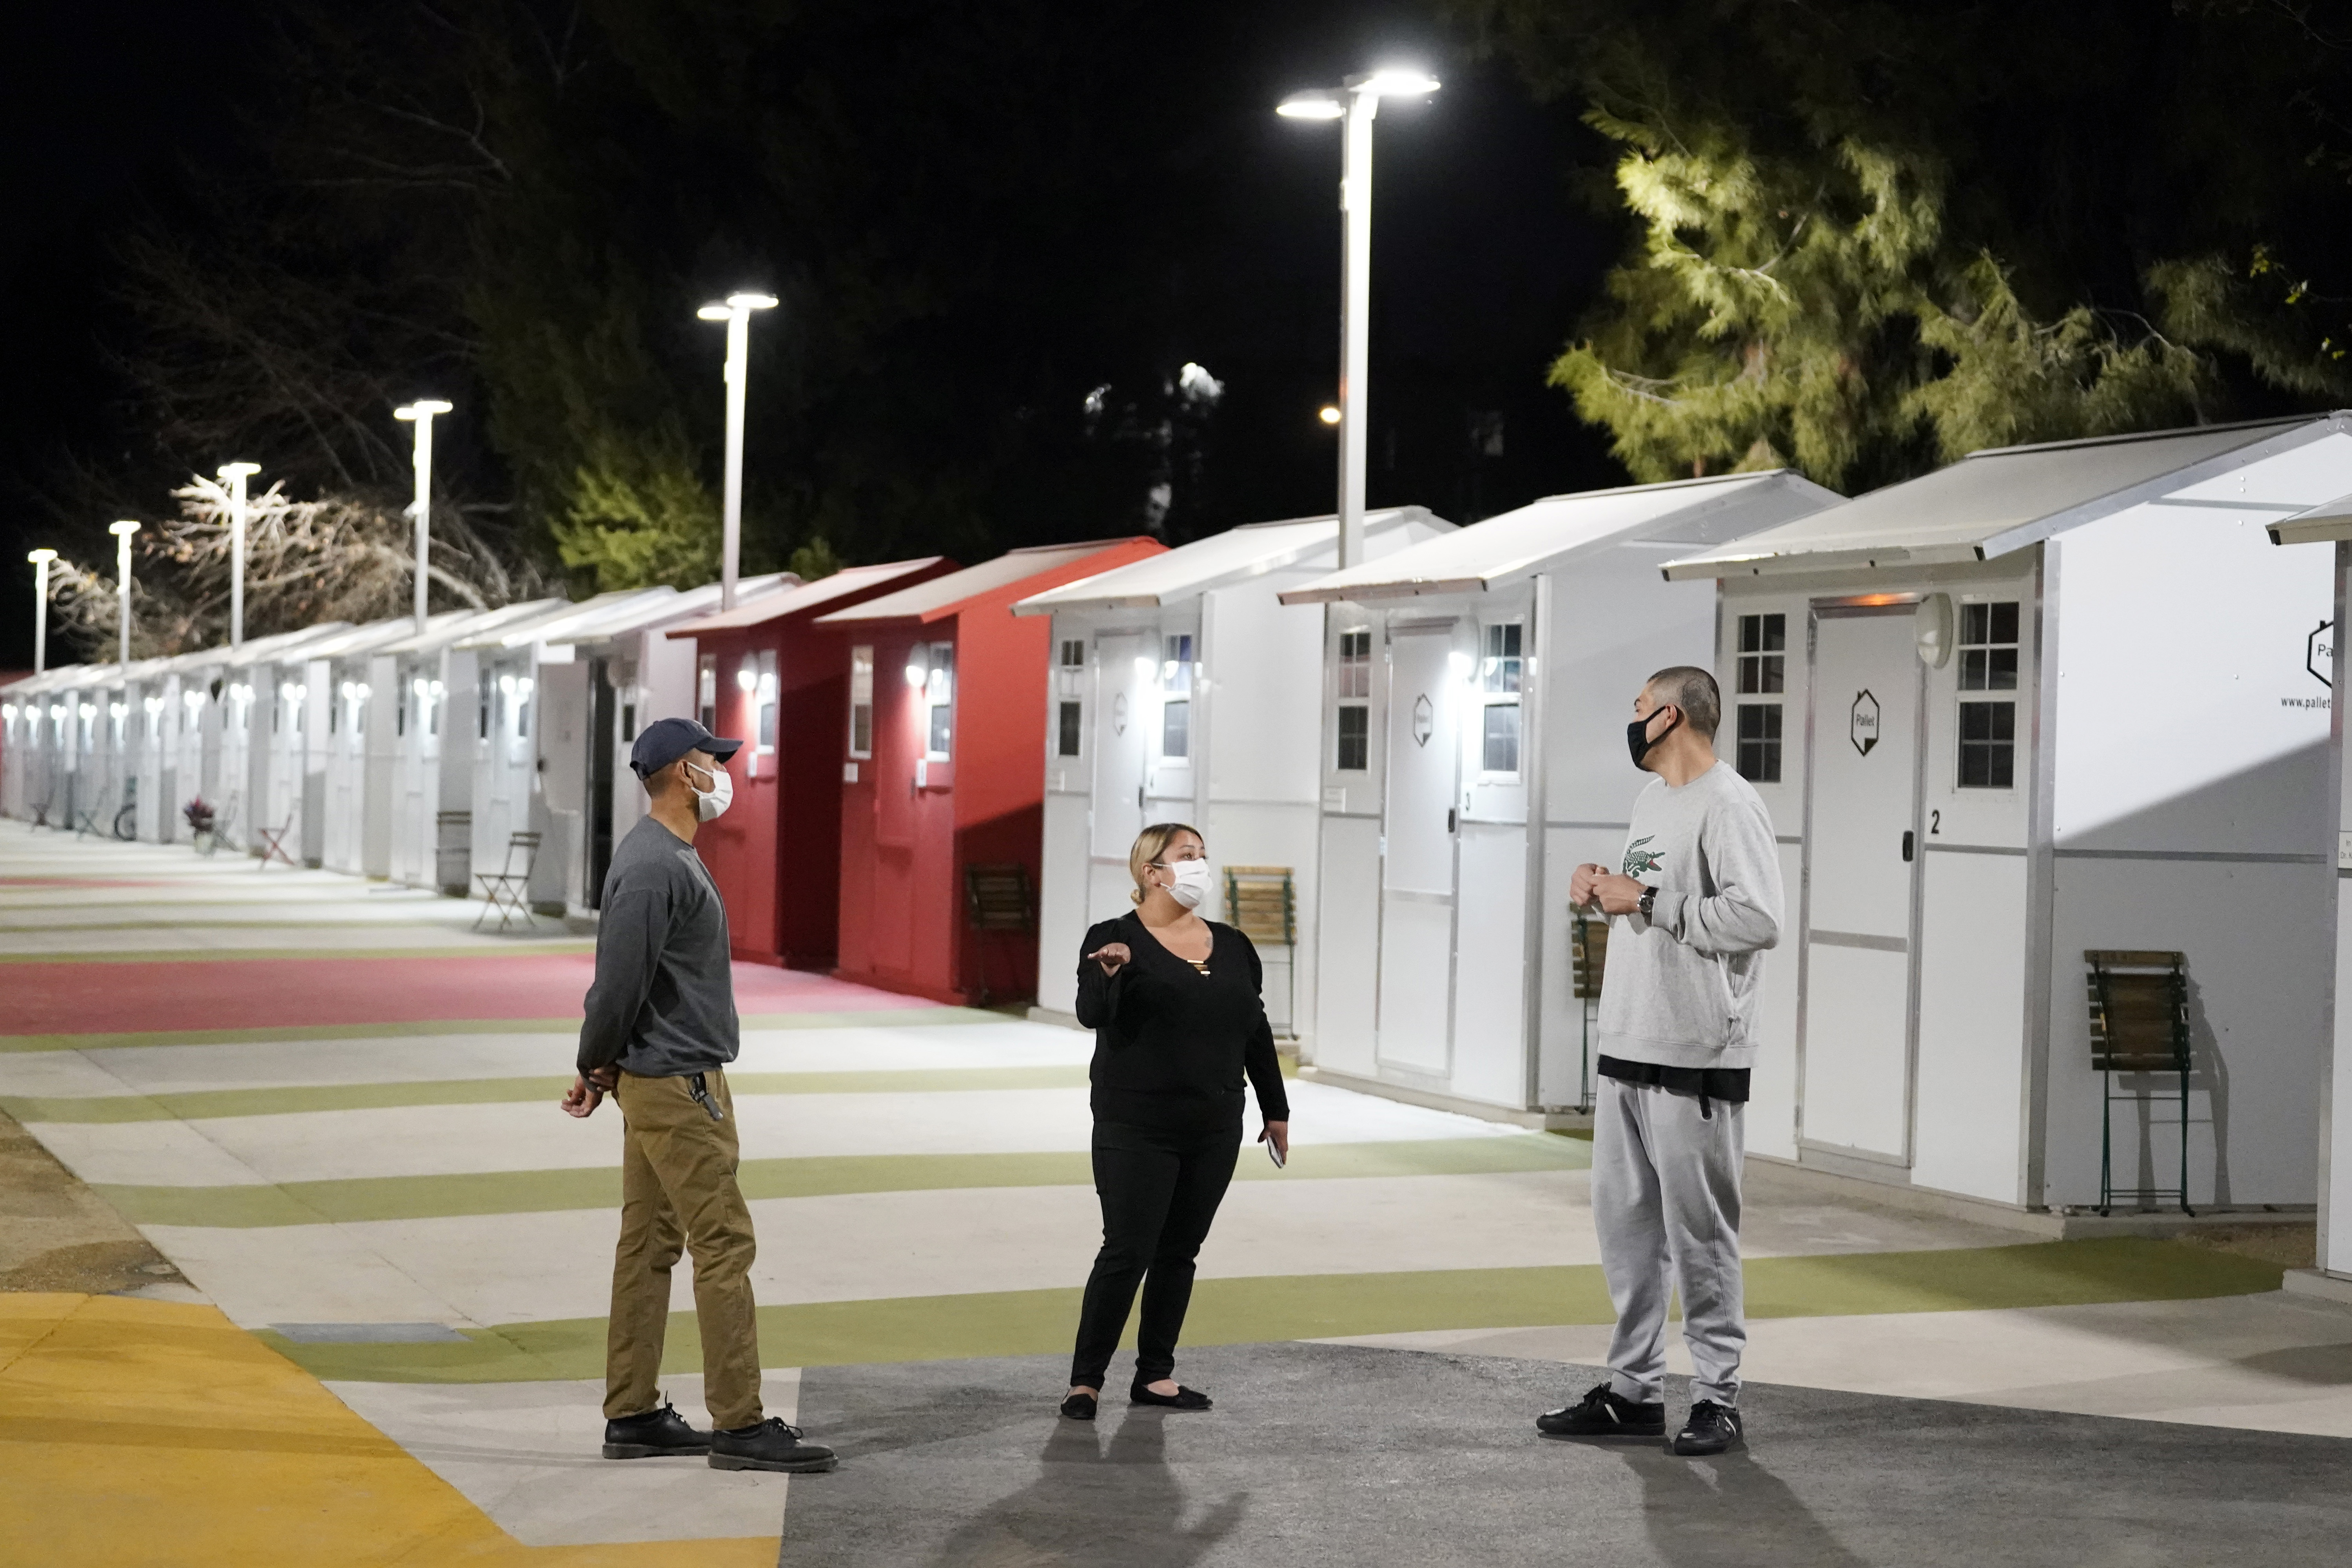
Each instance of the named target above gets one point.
<point>917,674</point>
<point>1143,666</point>
<point>1328,414</point>
<point>505,685</point>
<point>747,678</point>
<point>1464,665</point>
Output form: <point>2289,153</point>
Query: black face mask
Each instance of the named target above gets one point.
<point>1637,738</point>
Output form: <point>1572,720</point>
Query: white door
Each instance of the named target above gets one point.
<point>1862,866</point>
<point>1417,880</point>
<point>1121,669</point>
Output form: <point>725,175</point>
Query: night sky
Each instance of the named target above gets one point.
<point>1484,258</point>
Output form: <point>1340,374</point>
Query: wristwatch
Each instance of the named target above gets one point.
<point>1649,901</point>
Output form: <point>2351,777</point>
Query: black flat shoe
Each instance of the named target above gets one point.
<point>655,1435</point>
<point>1079,1408</point>
<point>1182,1399</point>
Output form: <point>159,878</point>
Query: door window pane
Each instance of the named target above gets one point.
<point>861,700</point>
<point>1071,729</point>
<point>1502,747</point>
<point>1175,730</point>
<point>1987,745</point>
<point>1355,738</point>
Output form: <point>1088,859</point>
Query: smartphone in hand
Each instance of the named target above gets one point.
<point>1273,1153</point>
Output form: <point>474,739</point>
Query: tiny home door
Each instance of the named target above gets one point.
<point>1122,666</point>
<point>1862,864</point>
<point>1417,870</point>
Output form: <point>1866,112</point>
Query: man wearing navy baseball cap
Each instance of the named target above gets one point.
<point>659,1031</point>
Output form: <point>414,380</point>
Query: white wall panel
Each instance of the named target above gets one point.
<point>1348,945</point>
<point>1971,1079</point>
<point>1062,901</point>
<point>1490,977</point>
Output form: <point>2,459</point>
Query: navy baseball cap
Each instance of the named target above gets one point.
<point>665,740</point>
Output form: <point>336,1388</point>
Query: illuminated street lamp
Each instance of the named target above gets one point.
<point>233,475</point>
<point>1356,101</point>
<point>40,560</point>
<point>122,532</point>
<point>737,313</point>
<point>420,413</point>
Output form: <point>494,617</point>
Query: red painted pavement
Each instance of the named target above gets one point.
<point>237,994</point>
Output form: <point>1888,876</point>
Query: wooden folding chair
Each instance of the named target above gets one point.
<point>2139,1024</point>
<point>1263,901</point>
<point>997,898</point>
<point>273,844</point>
<point>508,890</point>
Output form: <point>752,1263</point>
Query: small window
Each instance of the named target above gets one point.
<point>628,722</point>
<point>485,733</point>
<point>400,714</point>
<point>1355,690</point>
<point>1987,745</point>
<point>1071,727</point>
<point>1987,649</point>
<point>1070,670</point>
<point>1355,738</point>
<point>705,690</point>
<point>1758,750</point>
<point>861,700</point>
<point>1176,696</point>
<point>1499,673</point>
<point>766,701</point>
<point>1763,655</point>
<point>937,664</point>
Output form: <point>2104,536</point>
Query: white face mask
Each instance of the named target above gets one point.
<point>720,794</point>
<point>1189,882</point>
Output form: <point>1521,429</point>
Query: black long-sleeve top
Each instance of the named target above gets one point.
<point>1171,1045</point>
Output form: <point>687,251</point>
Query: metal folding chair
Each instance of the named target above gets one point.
<point>273,844</point>
<point>508,890</point>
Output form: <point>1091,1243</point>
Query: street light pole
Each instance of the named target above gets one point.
<point>1356,103</point>
<point>122,532</point>
<point>40,560</point>
<point>235,475</point>
<point>737,313</point>
<point>420,413</point>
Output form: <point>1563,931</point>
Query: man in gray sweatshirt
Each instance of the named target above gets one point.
<point>1692,908</point>
<point>658,1031</point>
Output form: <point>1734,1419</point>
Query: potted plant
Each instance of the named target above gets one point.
<point>200,814</point>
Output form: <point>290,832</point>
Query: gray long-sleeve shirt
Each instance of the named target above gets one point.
<point>663,1004</point>
<point>1681,989</point>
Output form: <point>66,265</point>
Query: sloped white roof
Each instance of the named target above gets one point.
<point>804,596</point>
<point>1992,503</point>
<point>1548,533</point>
<point>283,645</point>
<point>657,606</point>
<point>472,624</point>
<point>1249,550</point>
<point>943,596</point>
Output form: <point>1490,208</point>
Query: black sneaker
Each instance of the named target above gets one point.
<point>1601,1414</point>
<point>773,1445</point>
<point>653,1436</point>
<point>1711,1430</point>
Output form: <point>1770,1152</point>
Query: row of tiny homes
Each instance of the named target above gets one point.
<point>1181,690</point>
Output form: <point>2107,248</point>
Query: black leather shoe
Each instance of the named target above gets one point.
<point>1079,1406</point>
<point>773,1445</point>
<point>1602,1413</point>
<point>1711,1430</point>
<point>655,1435</point>
<point>1182,1399</point>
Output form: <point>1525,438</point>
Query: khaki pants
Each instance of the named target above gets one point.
<point>677,1184</point>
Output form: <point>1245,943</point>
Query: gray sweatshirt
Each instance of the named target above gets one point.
<point>663,1004</point>
<point>1681,989</point>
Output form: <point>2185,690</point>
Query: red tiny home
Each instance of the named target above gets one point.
<point>765,673</point>
<point>945,769</point>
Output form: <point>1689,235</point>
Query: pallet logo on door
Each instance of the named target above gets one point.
<point>1424,719</point>
<point>1865,722</point>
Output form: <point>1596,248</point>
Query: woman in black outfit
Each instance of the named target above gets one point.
<point>1173,1001</point>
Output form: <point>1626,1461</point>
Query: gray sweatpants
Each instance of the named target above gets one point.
<point>1665,1199</point>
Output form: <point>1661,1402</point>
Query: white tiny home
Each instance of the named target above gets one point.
<point>604,673</point>
<point>355,751</point>
<point>2330,524</point>
<point>1464,678</point>
<point>39,712</point>
<point>508,710</point>
<point>2047,701</point>
<point>261,758</point>
<point>434,731</point>
<point>1182,689</point>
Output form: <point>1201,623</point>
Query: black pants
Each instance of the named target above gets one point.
<point>1160,1191</point>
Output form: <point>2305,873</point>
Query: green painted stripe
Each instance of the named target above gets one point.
<point>206,1104</point>
<point>507,947</point>
<point>360,1199</point>
<point>873,1018</point>
<point>1332,1306</point>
